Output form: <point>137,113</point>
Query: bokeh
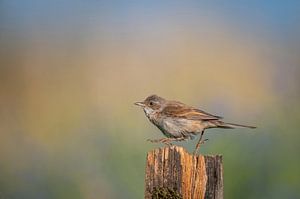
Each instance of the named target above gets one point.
<point>70,72</point>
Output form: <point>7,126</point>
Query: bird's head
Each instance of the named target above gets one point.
<point>151,104</point>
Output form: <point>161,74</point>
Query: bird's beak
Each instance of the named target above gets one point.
<point>139,104</point>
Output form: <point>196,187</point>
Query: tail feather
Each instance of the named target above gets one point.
<point>221,124</point>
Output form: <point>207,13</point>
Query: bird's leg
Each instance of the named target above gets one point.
<point>157,140</point>
<point>199,143</point>
<point>167,141</point>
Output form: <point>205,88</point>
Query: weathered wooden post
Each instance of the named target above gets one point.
<point>173,173</point>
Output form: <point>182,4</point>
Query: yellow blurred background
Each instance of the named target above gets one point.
<point>71,70</point>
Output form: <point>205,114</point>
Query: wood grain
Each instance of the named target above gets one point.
<point>173,173</point>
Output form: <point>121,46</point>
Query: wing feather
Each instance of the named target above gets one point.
<point>180,110</point>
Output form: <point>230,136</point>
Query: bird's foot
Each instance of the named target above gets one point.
<point>165,141</point>
<point>156,140</point>
<point>203,141</point>
<point>198,146</point>
<point>153,141</point>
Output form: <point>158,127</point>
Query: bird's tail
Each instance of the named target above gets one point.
<point>221,124</point>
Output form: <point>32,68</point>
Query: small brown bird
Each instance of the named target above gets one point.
<point>179,122</point>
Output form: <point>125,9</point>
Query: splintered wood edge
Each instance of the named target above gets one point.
<point>173,167</point>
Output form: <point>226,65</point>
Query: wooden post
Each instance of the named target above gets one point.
<point>172,173</point>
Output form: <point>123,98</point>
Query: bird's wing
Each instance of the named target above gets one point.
<point>180,110</point>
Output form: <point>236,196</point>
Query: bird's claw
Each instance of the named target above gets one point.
<point>203,141</point>
<point>167,143</point>
<point>198,146</point>
<point>163,140</point>
<point>149,140</point>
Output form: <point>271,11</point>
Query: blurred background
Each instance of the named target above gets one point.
<point>71,70</point>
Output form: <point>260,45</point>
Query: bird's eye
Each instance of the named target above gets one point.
<point>151,103</point>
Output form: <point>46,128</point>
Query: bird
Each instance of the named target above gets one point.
<point>179,122</point>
